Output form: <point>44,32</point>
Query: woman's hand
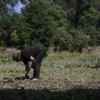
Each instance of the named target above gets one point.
<point>26,76</point>
<point>32,59</point>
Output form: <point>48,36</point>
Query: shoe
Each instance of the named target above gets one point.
<point>35,79</point>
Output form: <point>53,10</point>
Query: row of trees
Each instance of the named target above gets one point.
<point>68,24</point>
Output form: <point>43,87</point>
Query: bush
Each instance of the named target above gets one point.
<point>80,40</point>
<point>62,39</point>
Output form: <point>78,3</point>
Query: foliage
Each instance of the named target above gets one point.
<point>24,34</point>
<point>74,40</point>
<point>7,6</point>
<point>84,15</point>
<point>14,37</point>
<point>43,22</point>
<point>43,18</point>
<point>3,8</point>
<point>9,80</point>
<point>80,40</point>
<point>62,39</point>
<point>93,33</point>
<point>5,31</point>
<point>90,17</point>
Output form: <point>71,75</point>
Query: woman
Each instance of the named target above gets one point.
<point>35,54</point>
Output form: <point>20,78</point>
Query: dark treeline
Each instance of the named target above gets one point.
<point>68,24</point>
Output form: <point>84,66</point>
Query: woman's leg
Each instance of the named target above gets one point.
<point>37,66</point>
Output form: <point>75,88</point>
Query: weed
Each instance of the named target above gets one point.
<point>9,80</point>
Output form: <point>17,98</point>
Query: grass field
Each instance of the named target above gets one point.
<point>64,76</point>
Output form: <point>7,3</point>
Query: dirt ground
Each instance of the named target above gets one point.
<point>17,88</point>
<point>48,87</point>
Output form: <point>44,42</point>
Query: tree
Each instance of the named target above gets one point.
<point>14,37</point>
<point>90,17</point>
<point>92,32</point>
<point>7,6</point>
<point>80,40</point>
<point>76,8</point>
<point>5,26</point>
<point>24,34</point>
<point>3,8</point>
<point>62,39</point>
<point>69,7</point>
<point>43,18</point>
<point>89,21</point>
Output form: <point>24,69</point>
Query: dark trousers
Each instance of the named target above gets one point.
<point>37,66</point>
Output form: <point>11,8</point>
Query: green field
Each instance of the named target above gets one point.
<point>64,76</point>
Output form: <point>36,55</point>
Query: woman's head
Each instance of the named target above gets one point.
<point>17,56</point>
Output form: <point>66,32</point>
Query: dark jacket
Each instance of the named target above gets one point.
<point>27,52</point>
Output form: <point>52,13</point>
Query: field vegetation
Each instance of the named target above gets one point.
<point>64,76</point>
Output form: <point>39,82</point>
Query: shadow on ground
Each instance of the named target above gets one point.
<point>46,94</point>
<point>61,89</point>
